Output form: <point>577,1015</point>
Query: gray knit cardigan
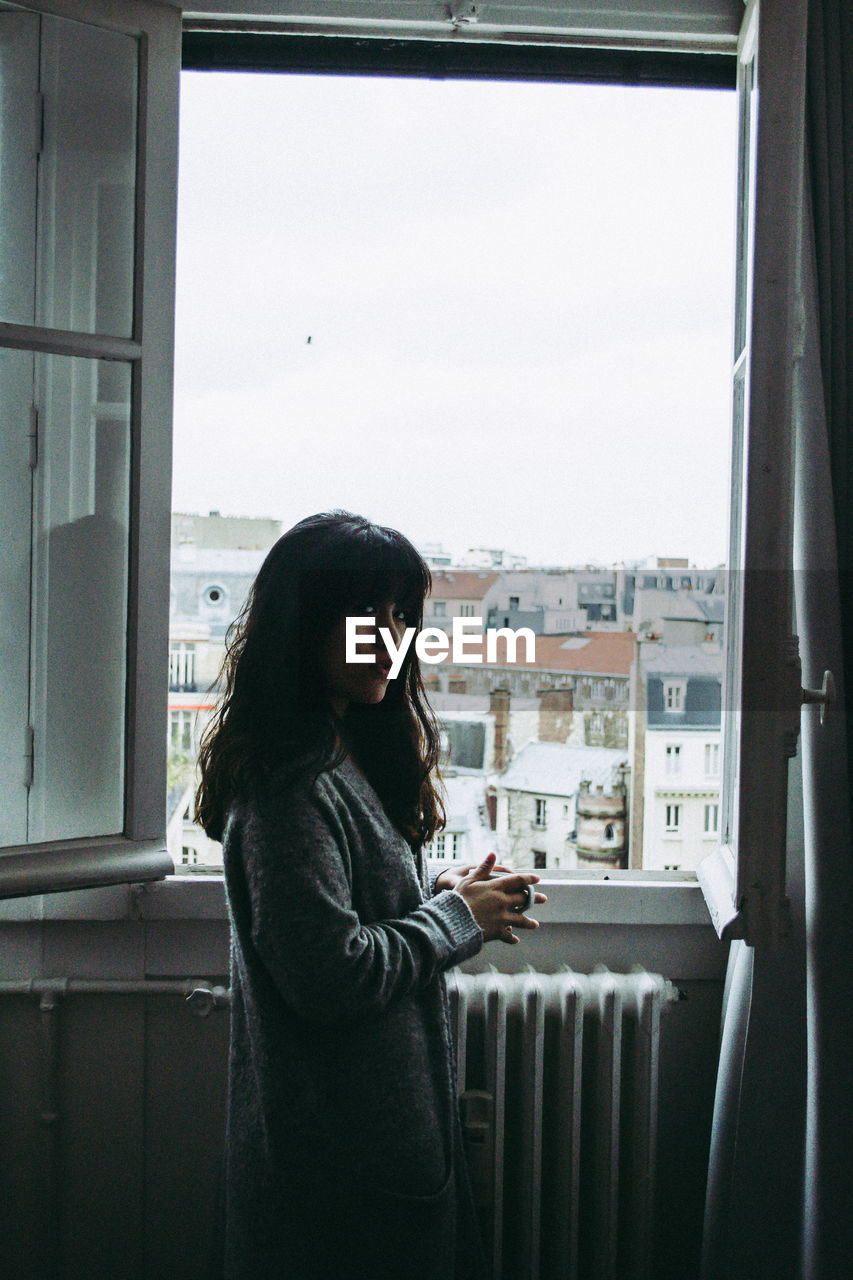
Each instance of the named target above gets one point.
<point>343,1145</point>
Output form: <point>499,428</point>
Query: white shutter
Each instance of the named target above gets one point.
<point>744,879</point>
<point>88,166</point>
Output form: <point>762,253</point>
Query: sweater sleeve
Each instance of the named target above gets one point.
<point>434,870</point>
<point>328,966</point>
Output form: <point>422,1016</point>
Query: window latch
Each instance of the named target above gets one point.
<point>825,696</point>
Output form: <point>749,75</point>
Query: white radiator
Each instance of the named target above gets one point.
<point>558,1080</point>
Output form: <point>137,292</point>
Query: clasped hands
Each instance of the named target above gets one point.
<point>496,900</point>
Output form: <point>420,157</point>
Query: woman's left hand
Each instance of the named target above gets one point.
<point>450,877</point>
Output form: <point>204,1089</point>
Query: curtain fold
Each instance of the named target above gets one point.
<point>797,1007</point>
<point>824,560</point>
<point>829,144</point>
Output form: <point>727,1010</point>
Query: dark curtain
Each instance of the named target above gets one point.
<point>828,1222</point>
<point>829,145</point>
<point>781,1160</point>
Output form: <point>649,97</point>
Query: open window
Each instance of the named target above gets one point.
<point>88,128</point>
<point>86,309</point>
<point>744,878</point>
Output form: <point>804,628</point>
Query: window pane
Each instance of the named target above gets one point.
<point>19,54</point>
<point>16,398</point>
<point>68,106</point>
<point>87,178</point>
<point>502,360</point>
<point>80,620</point>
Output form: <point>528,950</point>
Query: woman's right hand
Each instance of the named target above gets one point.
<point>496,904</point>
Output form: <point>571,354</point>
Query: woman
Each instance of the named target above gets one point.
<point>343,1146</point>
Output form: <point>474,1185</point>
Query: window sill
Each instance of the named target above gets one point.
<point>179,927</point>
<point>615,897</point>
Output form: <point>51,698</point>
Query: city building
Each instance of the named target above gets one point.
<point>214,561</point>
<point>537,816</point>
<point>679,769</point>
<point>593,667</point>
<point>456,593</point>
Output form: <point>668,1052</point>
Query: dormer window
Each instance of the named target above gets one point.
<point>674,695</point>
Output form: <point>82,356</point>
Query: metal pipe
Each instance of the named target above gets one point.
<point>201,995</point>
<point>49,1003</point>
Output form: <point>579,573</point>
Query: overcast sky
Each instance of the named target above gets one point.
<point>518,299</point>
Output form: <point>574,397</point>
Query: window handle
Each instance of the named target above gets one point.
<point>824,696</point>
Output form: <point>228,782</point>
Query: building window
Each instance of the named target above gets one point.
<point>439,608</point>
<point>609,833</point>
<point>189,856</point>
<point>466,611</point>
<point>673,759</point>
<point>674,695</point>
<point>673,819</point>
<point>539,859</point>
<point>182,666</point>
<point>712,819</point>
<point>181,731</point>
<point>447,844</point>
<point>712,759</point>
<point>540,815</point>
<point>513,602</point>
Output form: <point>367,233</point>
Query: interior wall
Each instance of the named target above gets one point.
<point>138,1128</point>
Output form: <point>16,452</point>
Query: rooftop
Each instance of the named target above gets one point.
<point>557,769</point>
<point>461,584</point>
<point>192,559</point>
<point>587,653</point>
<point>681,659</point>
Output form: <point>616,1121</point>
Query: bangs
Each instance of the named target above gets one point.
<point>361,565</point>
<point>382,566</point>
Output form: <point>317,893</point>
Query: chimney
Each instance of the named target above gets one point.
<point>499,708</point>
<point>555,714</point>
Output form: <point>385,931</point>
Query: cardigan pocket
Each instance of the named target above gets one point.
<point>409,1235</point>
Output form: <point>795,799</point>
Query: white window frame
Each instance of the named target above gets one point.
<point>182,656</point>
<point>672,758</point>
<point>138,851</point>
<point>540,813</point>
<point>744,878</point>
<point>672,818</point>
<point>744,882</point>
<point>674,696</point>
<point>185,721</point>
<point>712,759</point>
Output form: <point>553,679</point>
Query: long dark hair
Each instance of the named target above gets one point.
<point>273,720</point>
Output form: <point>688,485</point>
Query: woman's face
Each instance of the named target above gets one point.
<point>361,682</point>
